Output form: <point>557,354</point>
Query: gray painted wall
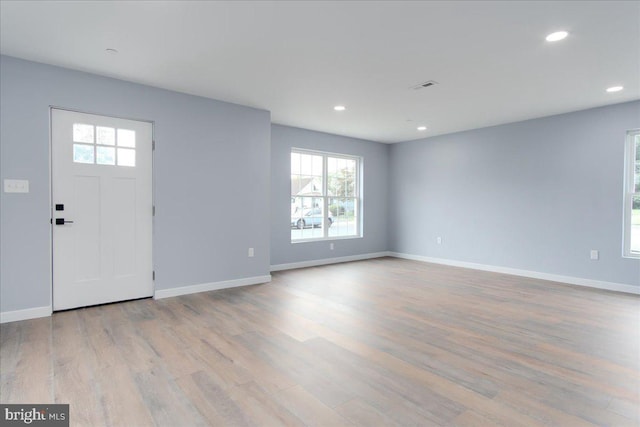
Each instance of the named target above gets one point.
<point>535,195</point>
<point>375,210</point>
<point>211,175</point>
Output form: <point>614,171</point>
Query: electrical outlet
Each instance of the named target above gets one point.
<point>251,252</point>
<point>330,246</point>
<point>595,255</point>
<point>439,240</point>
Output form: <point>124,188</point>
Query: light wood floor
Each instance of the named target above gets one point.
<point>378,342</point>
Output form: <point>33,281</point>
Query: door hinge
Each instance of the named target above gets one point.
<point>153,211</point>
<point>153,145</point>
<point>153,275</point>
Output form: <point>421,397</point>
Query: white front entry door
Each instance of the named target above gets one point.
<point>101,209</point>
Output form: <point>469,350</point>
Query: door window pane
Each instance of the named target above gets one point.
<point>126,157</point>
<point>83,133</point>
<point>82,153</point>
<point>126,138</point>
<point>105,155</point>
<point>105,136</point>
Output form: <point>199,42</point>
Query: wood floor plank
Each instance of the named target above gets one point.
<point>301,370</point>
<point>123,404</point>
<point>261,408</point>
<point>626,408</point>
<point>261,371</point>
<point>11,338</point>
<point>166,402</point>
<point>220,400</point>
<point>361,413</point>
<point>204,402</point>
<point>427,379</point>
<point>31,362</point>
<point>535,408</point>
<point>402,398</point>
<point>473,418</point>
<point>309,409</point>
<point>370,343</point>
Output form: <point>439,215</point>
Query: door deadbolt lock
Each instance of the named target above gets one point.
<point>61,221</point>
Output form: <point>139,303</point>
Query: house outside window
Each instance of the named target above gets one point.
<point>325,196</point>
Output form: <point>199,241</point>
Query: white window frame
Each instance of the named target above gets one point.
<point>325,197</point>
<point>629,191</point>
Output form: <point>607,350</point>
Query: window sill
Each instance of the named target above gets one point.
<point>325,239</point>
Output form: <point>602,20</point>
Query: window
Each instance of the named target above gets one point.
<point>632,196</point>
<point>97,145</point>
<point>325,196</point>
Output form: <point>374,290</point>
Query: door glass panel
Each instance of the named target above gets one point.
<point>126,138</point>
<point>82,133</point>
<point>105,136</point>
<point>105,155</point>
<point>82,153</point>
<point>126,157</point>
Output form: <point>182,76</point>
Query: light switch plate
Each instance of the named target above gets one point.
<point>16,186</point>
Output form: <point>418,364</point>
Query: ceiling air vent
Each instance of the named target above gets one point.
<point>425,84</point>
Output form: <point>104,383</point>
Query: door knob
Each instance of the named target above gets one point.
<point>61,221</point>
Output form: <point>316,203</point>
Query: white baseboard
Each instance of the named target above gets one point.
<point>325,261</point>
<point>598,284</point>
<point>33,313</point>
<point>36,312</point>
<point>214,286</point>
<point>26,314</point>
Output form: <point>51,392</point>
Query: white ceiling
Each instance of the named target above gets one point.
<point>299,59</point>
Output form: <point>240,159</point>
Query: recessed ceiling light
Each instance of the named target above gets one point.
<point>557,36</point>
<point>421,128</point>
<point>111,51</point>
<point>614,89</point>
<point>339,108</point>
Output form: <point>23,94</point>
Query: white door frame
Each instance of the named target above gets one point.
<point>51,201</point>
